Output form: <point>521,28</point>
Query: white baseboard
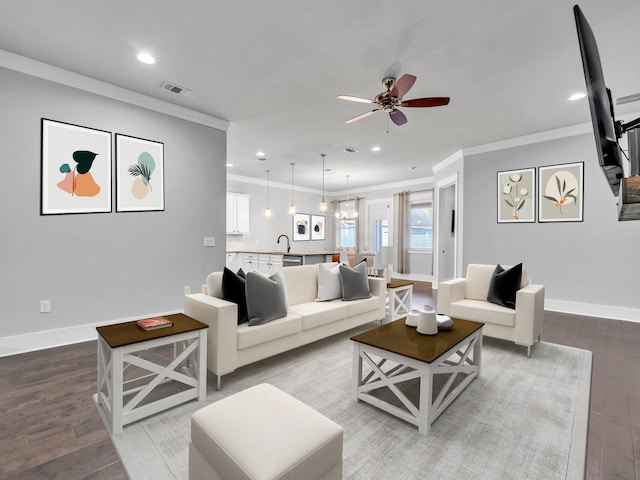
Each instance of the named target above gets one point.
<point>593,310</point>
<point>30,342</point>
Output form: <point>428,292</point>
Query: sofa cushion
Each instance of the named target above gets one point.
<point>233,290</point>
<point>482,311</point>
<point>329,283</point>
<point>356,307</point>
<point>355,284</point>
<point>504,285</point>
<point>315,314</point>
<point>302,284</point>
<point>266,299</point>
<point>249,336</point>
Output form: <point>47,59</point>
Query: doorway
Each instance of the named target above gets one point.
<point>447,231</point>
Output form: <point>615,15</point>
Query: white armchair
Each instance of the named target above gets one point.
<point>466,298</point>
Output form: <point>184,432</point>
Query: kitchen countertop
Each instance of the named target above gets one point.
<point>281,252</point>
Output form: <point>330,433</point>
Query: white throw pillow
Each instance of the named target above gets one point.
<point>329,283</point>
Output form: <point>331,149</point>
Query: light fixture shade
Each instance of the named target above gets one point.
<point>323,207</point>
<point>387,255</point>
<point>292,210</point>
<point>267,212</point>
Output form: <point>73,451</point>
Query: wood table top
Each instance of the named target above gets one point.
<point>398,338</point>
<point>121,334</point>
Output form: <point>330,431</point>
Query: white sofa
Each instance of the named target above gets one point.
<point>466,298</point>
<point>230,346</point>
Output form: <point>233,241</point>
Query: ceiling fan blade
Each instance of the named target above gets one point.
<point>403,85</point>
<point>426,102</point>
<point>361,116</point>
<point>398,117</point>
<point>354,99</point>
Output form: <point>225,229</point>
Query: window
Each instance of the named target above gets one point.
<point>346,219</point>
<point>421,225</point>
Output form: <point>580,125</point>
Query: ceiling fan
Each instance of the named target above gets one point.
<point>391,99</point>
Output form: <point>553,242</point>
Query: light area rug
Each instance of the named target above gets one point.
<point>522,418</point>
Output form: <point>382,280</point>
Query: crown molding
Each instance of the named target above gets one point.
<point>18,63</point>
<point>447,162</point>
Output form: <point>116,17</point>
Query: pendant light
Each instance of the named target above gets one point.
<point>292,207</point>
<point>267,211</point>
<point>323,204</point>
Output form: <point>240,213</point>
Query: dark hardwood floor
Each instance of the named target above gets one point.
<point>51,428</point>
<point>613,451</point>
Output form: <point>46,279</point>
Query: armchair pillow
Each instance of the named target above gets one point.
<point>233,290</point>
<point>504,285</point>
<point>266,299</point>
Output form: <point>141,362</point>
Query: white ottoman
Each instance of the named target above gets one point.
<point>263,433</point>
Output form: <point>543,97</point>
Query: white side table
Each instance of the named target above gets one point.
<point>398,299</point>
<point>134,374</point>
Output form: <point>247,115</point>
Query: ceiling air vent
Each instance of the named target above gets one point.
<point>628,99</point>
<point>350,150</point>
<point>177,89</point>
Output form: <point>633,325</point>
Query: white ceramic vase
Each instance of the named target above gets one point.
<point>427,321</point>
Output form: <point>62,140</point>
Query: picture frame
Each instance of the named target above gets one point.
<point>301,227</point>
<point>318,227</point>
<point>75,172</point>
<point>516,201</point>
<point>561,193</point>
<point>139,174</point>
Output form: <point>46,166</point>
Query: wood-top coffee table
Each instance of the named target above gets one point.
<point>393,361</point>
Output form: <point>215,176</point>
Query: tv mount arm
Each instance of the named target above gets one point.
<point>622,128</point>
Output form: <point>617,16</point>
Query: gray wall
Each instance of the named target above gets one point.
<point>592,262</point>
<point>109,266</point>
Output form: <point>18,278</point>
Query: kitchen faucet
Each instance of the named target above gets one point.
<point>285,236</point>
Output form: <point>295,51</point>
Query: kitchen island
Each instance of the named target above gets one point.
<point>267,259</point>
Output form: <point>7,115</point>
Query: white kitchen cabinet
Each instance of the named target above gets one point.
<point>234,261</point>
<point>237,213</point>
<point>269,262</point>
<point>250,262</point>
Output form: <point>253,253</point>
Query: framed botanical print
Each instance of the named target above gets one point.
<point>75,169</point>
<point>561,193</point>
<point>516,196</point>
<point>139,174</point>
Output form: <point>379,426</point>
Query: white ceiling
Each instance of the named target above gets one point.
<point>273,69</point>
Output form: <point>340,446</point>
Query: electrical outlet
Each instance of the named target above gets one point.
<point>209,241</point>
<point>45,306</point>
<point>187,290</point>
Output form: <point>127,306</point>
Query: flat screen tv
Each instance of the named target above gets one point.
<point>605,129</point>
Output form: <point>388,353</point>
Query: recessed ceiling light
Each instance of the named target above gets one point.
<point>146,58</point>
<point>260,154</point>
<point>375,149</point>
<point>229,165</point>
<point>577,96</point>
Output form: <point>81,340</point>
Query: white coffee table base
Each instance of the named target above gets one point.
<point>121,402</point>
<point>374,368</point>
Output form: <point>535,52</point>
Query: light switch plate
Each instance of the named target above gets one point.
<point>209,241</point>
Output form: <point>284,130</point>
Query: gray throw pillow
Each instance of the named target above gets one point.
<point>329,284</point>
<point>266,298</point>
<point>355,284</point>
